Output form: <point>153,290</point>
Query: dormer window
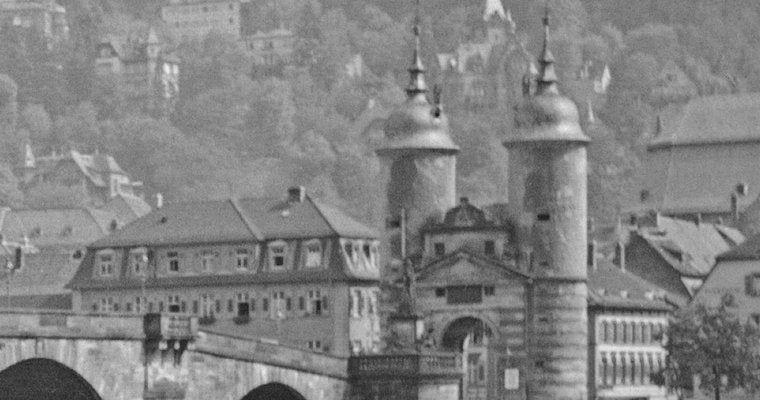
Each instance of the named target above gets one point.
<point>313,254</point>
<point>277,255</point>
<point>241,259</point>
<point>106,263</point>
<point>349,249</point>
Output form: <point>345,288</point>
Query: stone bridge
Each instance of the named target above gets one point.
<point>54,354</point>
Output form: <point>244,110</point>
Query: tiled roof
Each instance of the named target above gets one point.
<point>711,119</point>
<point>236,220</point>
<point>43,273</point>
<point>56,227</point>
<point>607,284</point>
<point>704,149</point>
<point>127,207</point>
<point>749,250</point>
<point>688,247</point>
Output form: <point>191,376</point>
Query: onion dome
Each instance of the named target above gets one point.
<point>546,116</point>
<point>417,125</point>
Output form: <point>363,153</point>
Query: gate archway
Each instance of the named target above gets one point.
<point>274,391</point>
<point>42,378</point>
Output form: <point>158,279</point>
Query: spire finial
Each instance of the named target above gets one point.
<point>547,77</point>
<point>417,85</point>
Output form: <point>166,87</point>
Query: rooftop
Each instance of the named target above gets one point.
<point>232,220</point>
<point>611,287</point>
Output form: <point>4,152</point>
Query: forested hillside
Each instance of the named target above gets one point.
<point>233,133</point>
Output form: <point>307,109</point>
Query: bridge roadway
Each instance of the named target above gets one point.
<point>117,356</point>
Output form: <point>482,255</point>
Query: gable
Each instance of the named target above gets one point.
<point>462,269</point>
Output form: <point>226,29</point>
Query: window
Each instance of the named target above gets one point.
<point>440,292</point>
<point>138,260</point>
<point>207,261</point>
<point>173,304</point>
<point>106,304</point>
<point>230,306</point>
<point>243,305</point>
<point>173,257</point>
<point>367,251</point>
<point>313,254</point>
<point>372,303</point>
<point>241,258</point>
<point>359,303</point>
<point>488,290</point>
<point>348,248</point>
<point>265,305</point>
<point>301,303</point>
<point>489,247</point>
<point>753,285</point>
<point>439,248</point>
<point>277,255</point>
<point>314,345</point>
<point>288,304</point>
<point>464,294</point>
<point>278,304</point>
<point>140,305</point>
<point>315,302</point>
<point>106,263</point>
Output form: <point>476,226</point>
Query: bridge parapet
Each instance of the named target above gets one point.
<point>412,364</point>
<point>65,324</point>
<point>410,376</point>
<point>261,351</point>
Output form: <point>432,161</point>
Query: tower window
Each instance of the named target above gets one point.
<point>543,217</point>
<point>488,290</point>
<point>439,248</point>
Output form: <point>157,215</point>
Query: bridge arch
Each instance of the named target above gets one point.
<point>478,330</point>
<point>43,378</point>
<point>274,391</point>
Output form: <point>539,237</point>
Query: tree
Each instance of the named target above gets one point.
<point>715,345</point>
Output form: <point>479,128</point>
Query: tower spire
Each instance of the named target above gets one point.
<point>547,77</point>
<point>417,85</point>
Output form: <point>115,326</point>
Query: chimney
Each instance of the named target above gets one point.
<point>591,254</point>
<point>159,200</point>
<point>296,194</point>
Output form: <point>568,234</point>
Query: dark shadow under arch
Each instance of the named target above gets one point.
<point>274,391</point>
<point>44,379</point>
<point>459,329</point>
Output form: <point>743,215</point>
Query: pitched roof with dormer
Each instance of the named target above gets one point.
<point>688,247</point>
<point>236,220</point>
<point>609,287</point>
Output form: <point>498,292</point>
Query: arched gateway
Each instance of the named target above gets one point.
<point>471,336</point>
<point>274,391</point>
<point>42,379</point>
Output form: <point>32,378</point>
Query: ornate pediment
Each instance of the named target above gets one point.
<point>464,267</point>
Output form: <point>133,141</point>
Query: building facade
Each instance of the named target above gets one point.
<point>292,270</point>
<point>509,294</point>
<point>736,281</point>
<point>194,19</point>
<point>144,65</point>
<point>628,319</point>
<point>45,16</point>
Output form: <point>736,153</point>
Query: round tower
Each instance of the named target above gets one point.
<point>418,156</point>
<point>547,201</point>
